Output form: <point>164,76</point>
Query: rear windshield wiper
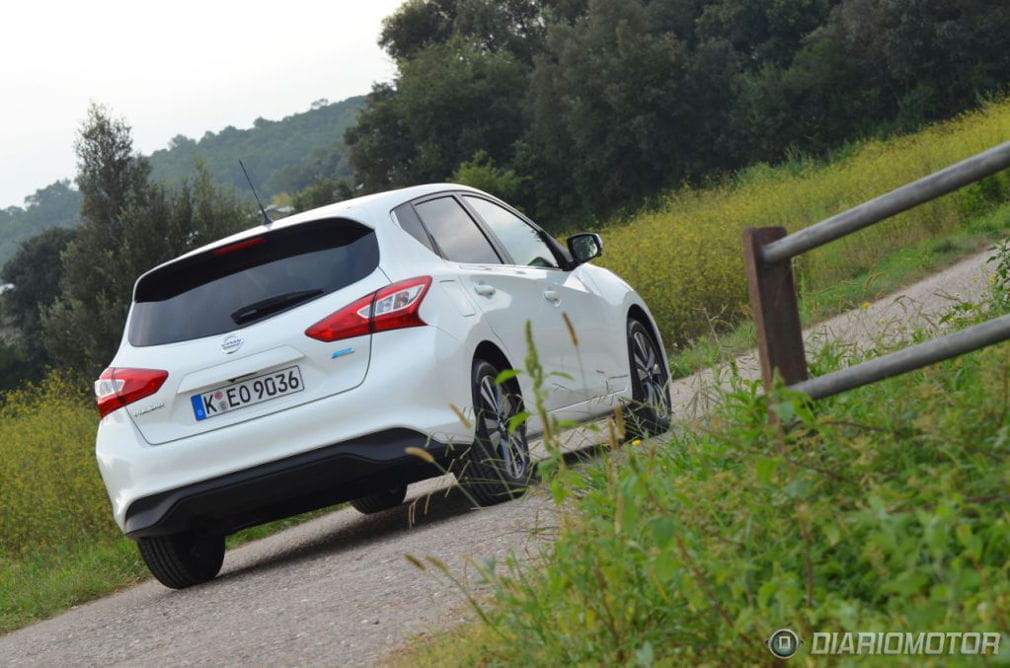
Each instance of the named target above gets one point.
<point>273,304</point>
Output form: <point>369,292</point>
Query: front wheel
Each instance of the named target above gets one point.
<point>498,466</point>
<point>182,560</point>
<point>650,391</point>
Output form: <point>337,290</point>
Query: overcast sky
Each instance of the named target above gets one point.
<point>169,68</point>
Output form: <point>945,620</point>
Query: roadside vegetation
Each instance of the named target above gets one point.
<point>691,271</point>
<point>882,509</point>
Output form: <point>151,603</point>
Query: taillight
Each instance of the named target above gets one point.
<point>397,305</point>
<point>393,307</point>
<point>116,387</point>
<point>345,323</point>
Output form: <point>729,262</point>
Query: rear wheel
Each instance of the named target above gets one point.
<point>650,404</point>
<point>373,503</point>
<point>183,559</point>
<point>499,464</point>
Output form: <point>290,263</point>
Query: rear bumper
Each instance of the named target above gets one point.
<point>296,484</point>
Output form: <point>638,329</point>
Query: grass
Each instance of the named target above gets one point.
<point>882,509</point>
<point>691,270</point>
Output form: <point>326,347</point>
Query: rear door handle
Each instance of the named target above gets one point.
<point>484,290</point>
<point>552,296</point>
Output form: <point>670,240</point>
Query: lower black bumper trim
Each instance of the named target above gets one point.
<point>286,487</point>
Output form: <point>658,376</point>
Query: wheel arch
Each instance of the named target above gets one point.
<point>636,312</point>
<point>491,353</point>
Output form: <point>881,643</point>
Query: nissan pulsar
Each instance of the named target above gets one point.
<point>345,352</point>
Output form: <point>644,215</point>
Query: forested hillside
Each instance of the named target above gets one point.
<point>56,205</point>
<point>281,156</point>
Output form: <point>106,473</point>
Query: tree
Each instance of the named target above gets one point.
<point>35,271</point>
<point>612,110</point>
<point>56,202</point>
<point>481,173</point>
<point>876,66</point>
<point>109,174</point>
<point>514,26</point>
<point>764,33</point>
<point>321,193</point>
<point>129,226</point>
<point>450,101</point>
<point>415,25</point>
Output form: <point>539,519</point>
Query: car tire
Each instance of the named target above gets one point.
<point>498,467</point>
<point>384,500</point>
<point>182,560</point>
<point>650,408</point>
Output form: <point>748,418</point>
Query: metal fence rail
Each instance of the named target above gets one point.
<point>768,253</point>
<point>908,359</point>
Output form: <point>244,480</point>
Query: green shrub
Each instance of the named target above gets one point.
<point>52,493</point>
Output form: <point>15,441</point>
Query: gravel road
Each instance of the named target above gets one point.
<point>338,591</point>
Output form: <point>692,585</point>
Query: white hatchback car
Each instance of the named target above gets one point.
<point>289,367</point>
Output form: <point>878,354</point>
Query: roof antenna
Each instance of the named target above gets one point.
<point>266,218</point>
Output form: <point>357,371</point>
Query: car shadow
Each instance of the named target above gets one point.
<point>355,532</point>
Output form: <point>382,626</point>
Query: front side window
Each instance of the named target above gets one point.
<point>523,242</point>
<point>456,234</point>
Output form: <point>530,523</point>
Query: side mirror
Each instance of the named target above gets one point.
<point>584,247</point>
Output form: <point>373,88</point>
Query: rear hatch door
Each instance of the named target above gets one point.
<point>229,324</point>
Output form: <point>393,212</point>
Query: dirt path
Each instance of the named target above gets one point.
<point>337,590</point>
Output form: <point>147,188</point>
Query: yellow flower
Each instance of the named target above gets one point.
<point>864,305</point>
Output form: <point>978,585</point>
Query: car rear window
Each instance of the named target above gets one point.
<point>229,287</point>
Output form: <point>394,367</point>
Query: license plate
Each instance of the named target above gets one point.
<point>247,393</point>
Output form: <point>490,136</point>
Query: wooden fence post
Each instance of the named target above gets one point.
<point>776,311</point>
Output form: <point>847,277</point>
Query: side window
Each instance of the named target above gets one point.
<point>411,224</point>
<point>458,237</point>
<point>523,242</point>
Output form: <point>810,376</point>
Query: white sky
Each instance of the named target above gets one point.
<point>169,68</point>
